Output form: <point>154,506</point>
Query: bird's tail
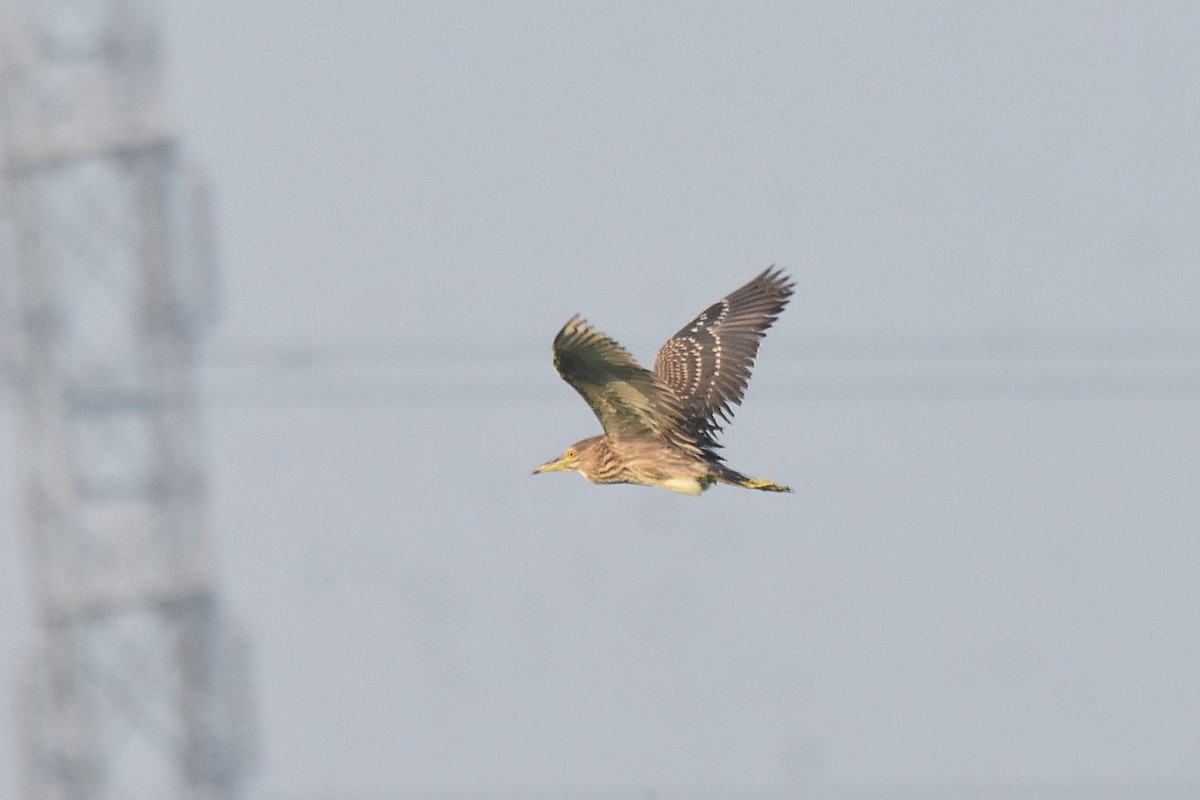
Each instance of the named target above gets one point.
<point>733,478</point>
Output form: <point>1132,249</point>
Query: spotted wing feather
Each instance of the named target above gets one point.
<point>629,400</point>
<point>707,363</point>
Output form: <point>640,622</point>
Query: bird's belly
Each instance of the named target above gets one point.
<point>683,485</point>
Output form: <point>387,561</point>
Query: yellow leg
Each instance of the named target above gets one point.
<point>766,486</point>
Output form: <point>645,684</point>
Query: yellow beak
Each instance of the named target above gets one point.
<point>558,465</point>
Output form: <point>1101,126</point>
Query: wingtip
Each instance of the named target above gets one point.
<point>778,276</point>
<point>572,326</point>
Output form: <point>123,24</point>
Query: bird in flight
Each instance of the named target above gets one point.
<point>660,426</point>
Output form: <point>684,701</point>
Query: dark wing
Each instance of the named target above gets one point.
<point>628,399</point>
<point>707,364</point>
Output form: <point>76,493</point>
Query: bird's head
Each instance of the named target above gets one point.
<point>571,460</point>
<point>568,463</point>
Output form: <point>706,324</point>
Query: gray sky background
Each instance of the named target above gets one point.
<point>986,392</point>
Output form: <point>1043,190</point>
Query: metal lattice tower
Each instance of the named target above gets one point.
<point>138,686</point>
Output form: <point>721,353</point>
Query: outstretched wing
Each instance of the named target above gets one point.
<point>629,400</point>
<point>707,364</point>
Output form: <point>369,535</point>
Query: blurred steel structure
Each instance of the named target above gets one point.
<point>138,685</point>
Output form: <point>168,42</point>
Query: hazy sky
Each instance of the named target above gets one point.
<point>986,392</point>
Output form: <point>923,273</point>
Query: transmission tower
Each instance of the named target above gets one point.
<point>138,684</point>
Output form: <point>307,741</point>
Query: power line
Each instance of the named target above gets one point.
<point>964,366</point>
<point>873,345</point>
<point>472,382</point>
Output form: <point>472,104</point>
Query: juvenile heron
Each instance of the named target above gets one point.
<point>660,427</point>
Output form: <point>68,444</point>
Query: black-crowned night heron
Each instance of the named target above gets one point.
<point>660,427</point>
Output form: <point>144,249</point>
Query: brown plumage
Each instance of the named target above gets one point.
<point>660,427</point>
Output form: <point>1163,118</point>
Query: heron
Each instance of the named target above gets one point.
<point>661,426</point>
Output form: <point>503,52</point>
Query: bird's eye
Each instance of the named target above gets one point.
<point>570,452</point>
